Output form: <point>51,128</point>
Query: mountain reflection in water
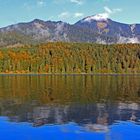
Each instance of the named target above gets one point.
<point>95,103</point>
<point>92,117</point>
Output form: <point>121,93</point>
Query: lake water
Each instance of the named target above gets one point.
<point>69,107</point>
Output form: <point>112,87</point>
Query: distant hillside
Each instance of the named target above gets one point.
<point>90,29</point>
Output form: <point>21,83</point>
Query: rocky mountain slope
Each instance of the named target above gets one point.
<point>90,29</point>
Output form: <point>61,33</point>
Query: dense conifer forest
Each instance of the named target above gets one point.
<point>71,58</point>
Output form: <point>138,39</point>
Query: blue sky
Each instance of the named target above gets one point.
<point>14,11</point>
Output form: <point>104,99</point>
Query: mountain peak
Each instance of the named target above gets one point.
<point>99,17</point>
<point>37,21</point>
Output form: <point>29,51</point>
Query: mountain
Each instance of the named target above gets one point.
<point>96,29</point>
<point>122,33</point>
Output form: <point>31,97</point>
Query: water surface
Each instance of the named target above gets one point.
<point>69,107</point>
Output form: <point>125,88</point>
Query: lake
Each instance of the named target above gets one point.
<point>69,107</point>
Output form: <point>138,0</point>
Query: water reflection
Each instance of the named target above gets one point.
<point>93,102</point>
<point>93,117</point>
<point>69,89</point>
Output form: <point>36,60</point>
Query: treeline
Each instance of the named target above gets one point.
<point>71,58</point>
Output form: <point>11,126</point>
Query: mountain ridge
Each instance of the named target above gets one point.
<point>94,28</point>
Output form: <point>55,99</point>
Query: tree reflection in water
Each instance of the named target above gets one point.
<point>92,102</point>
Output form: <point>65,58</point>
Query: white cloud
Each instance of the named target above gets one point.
<point>79,2</point>
<point>108,12</point>
<point>77,15</point>
<point>64,15</point>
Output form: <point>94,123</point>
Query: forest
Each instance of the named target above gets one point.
<point>79,58</point>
